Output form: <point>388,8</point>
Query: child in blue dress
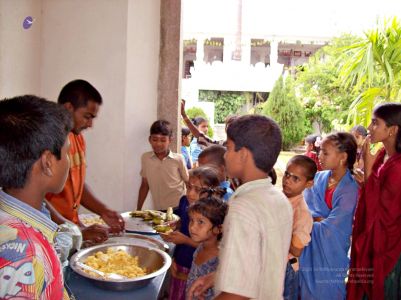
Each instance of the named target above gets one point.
<point>206,217</point>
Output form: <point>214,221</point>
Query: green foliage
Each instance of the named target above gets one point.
<point>373,68</point>
<point>284,107</point>
<point>194,112</point>
<point>325,99</point>
<point>226,103</point>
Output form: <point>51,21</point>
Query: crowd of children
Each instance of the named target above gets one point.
<point>325,235</point>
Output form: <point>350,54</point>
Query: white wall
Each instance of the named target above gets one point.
<point>87,40</point>
<point>19,48</point>
<point>112,44</point>
<point>143,41</point>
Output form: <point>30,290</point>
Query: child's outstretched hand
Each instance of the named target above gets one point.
<point>175,237</point>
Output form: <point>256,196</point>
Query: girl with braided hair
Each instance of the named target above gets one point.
<point>201,179</point>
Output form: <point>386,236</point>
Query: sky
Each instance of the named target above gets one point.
<point>321,18</point>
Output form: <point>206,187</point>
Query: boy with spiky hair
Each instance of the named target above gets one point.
<point>33,161</point>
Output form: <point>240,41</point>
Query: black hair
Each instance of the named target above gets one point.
<point>345,142</point>
<point>199,120</point>
<point>161,127</point>
<point>215,153</point>
<point>212,208</point>
<point>207,175</point>
<point>29,125</point>
<point>229,119</point>
<point>360,129</point>
<point>185,131</point>
<point>311,139</point>
<point>273,176</point>
<point>306,163</point>
<point>260,135</point>
<point>78,92</point>
<point>391,114</point>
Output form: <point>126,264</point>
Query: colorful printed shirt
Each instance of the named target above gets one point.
<point>68,201</point>
<point>29,265</point>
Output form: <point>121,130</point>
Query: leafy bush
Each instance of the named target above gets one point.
<point>226,103</point>
<point>194,112</point>
<point>284,107</point>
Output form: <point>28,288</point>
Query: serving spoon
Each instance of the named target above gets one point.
<point>102,274</point>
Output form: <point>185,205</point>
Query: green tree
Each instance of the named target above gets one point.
<point>226,103</point>
<point>284,107</point>
<point>373,65</point>
<point>194,112</point>
<point>325,99</point>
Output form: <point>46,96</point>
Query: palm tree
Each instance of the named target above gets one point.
<point>373,65</point>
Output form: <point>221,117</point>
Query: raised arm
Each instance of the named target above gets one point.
<point>194,130</point>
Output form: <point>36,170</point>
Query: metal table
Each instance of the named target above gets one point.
<point>83,289</point>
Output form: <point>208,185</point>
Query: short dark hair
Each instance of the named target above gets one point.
<point>260,135</point>
<point>345,142</point>
<point>29,125</point>
<point>212,208</point>
<point>207,174</point>
<point>391,114</point>
<point>229,119</point>
<point>185,131</point>
<point>306,163</point>
<point>199,120</point>
<point>360,129</point>
<point>215,153</point>
<point>78,92</point>
<point>161,127</point>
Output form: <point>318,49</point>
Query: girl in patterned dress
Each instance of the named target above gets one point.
<point>206,218</point>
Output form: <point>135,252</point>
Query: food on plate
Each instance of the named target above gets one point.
<point>157,221</point>
<point>163,228</point>
<point>92,220</point>
<point>157,217</point>
<point>115,261</point>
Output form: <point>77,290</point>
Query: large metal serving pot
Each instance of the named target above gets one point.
<point>150,258</point>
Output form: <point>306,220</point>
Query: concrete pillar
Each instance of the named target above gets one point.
<point>273,52</point>
<point>170,67</point>
<point>200,49</point>
<point>228,49</point>
<point>246,51</point>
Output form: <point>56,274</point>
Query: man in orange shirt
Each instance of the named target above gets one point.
<point>82,100</point>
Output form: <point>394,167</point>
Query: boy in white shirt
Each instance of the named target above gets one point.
<point>257,229</point>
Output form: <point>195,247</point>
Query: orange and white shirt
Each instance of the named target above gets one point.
<point>68,201</point>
